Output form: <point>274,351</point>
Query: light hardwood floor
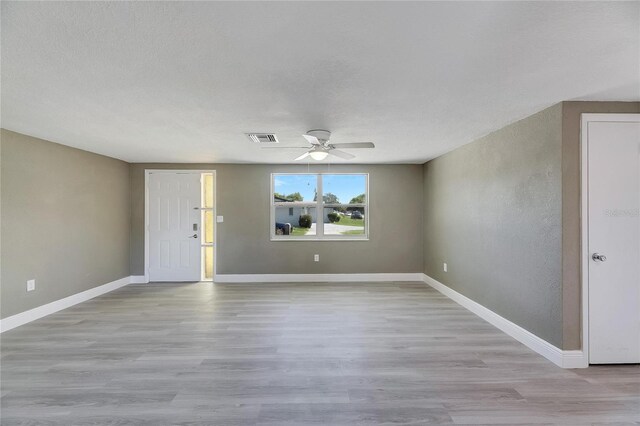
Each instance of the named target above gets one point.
<point>292,354</point>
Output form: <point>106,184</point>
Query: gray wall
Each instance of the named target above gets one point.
<point>493,212</point>
<point>504,212</point>
<point>65,221</point>
<point>395,243</point>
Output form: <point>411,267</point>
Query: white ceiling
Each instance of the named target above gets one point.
<point>182,82</point>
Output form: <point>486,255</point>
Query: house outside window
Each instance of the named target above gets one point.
<point>341,199</point>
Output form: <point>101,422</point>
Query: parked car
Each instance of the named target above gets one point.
<point>356,215</point>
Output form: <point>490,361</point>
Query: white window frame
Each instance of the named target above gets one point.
<point>319,206</point>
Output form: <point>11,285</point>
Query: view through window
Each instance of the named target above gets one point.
<point>339,199</point>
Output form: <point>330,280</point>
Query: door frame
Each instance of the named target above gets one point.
<point>585,119</point>
<point>147,172</point>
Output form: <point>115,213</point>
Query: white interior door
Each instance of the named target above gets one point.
<point>174,226</point>
<point>614,241</point>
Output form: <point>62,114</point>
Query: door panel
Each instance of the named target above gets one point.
<point>174,252</point>
<point>614,231</point>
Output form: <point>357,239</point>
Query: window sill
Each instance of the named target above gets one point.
<point>319,239</point>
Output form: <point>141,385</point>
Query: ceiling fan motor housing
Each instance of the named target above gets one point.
<point>322,135</point>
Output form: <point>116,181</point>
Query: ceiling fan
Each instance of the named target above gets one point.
<point>321,148</point>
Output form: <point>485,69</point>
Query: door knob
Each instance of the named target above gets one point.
<point>194,236</point>
<point>598,257</point>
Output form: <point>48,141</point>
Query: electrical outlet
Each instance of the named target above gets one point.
<point>444,267</point>
<point>31,285</point>
<point>316,258</point>
<point>219,219</point>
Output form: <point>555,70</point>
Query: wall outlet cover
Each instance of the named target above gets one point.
<point>219,219</point>
<point>316,258</point>
<point>444,267</point>
<point>31,285</point>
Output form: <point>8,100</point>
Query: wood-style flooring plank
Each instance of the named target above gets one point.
<point>292,354</point>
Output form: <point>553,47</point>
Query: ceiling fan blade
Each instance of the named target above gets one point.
<point>354,145</point>
<point>311,139</point>
<point>284,147</point>
<point>341,154</point>
<point>303,156</point>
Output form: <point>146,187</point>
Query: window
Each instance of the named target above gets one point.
<point>341,200</point>
<point>208,225</point>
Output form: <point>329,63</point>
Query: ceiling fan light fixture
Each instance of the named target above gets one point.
<point>318,155</point>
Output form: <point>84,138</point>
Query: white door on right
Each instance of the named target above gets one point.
<point>613,152</point>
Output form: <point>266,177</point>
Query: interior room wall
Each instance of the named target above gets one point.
<point>65,221</point>
<point>244,246</point>
<point>505,211</point>
<point>492,212</point>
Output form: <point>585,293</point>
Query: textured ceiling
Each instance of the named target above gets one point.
<point>182,82</point>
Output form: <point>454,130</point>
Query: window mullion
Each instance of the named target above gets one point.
<point>319,208</point>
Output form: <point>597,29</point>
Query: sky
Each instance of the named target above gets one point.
<point>344,186</point>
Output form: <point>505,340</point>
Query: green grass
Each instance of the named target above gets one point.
<point>344,220</point>
<point>353,232</point>
<point>299,231</point>
<point>347,221</point>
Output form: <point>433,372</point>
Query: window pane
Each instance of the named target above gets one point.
<point>292,188</point>
<point>207,254</point>
<point>344,189</point>
<point>207,188</point>
<point>301,222</point>
<point>348,222</point>
<point>208,226</point>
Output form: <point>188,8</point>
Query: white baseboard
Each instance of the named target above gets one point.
<point>50,308</point>
<point>290,278</point>
<point>564,359</point>
<point>139,279</point>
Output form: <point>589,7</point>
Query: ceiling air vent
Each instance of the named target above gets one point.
<point>262,137</point>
